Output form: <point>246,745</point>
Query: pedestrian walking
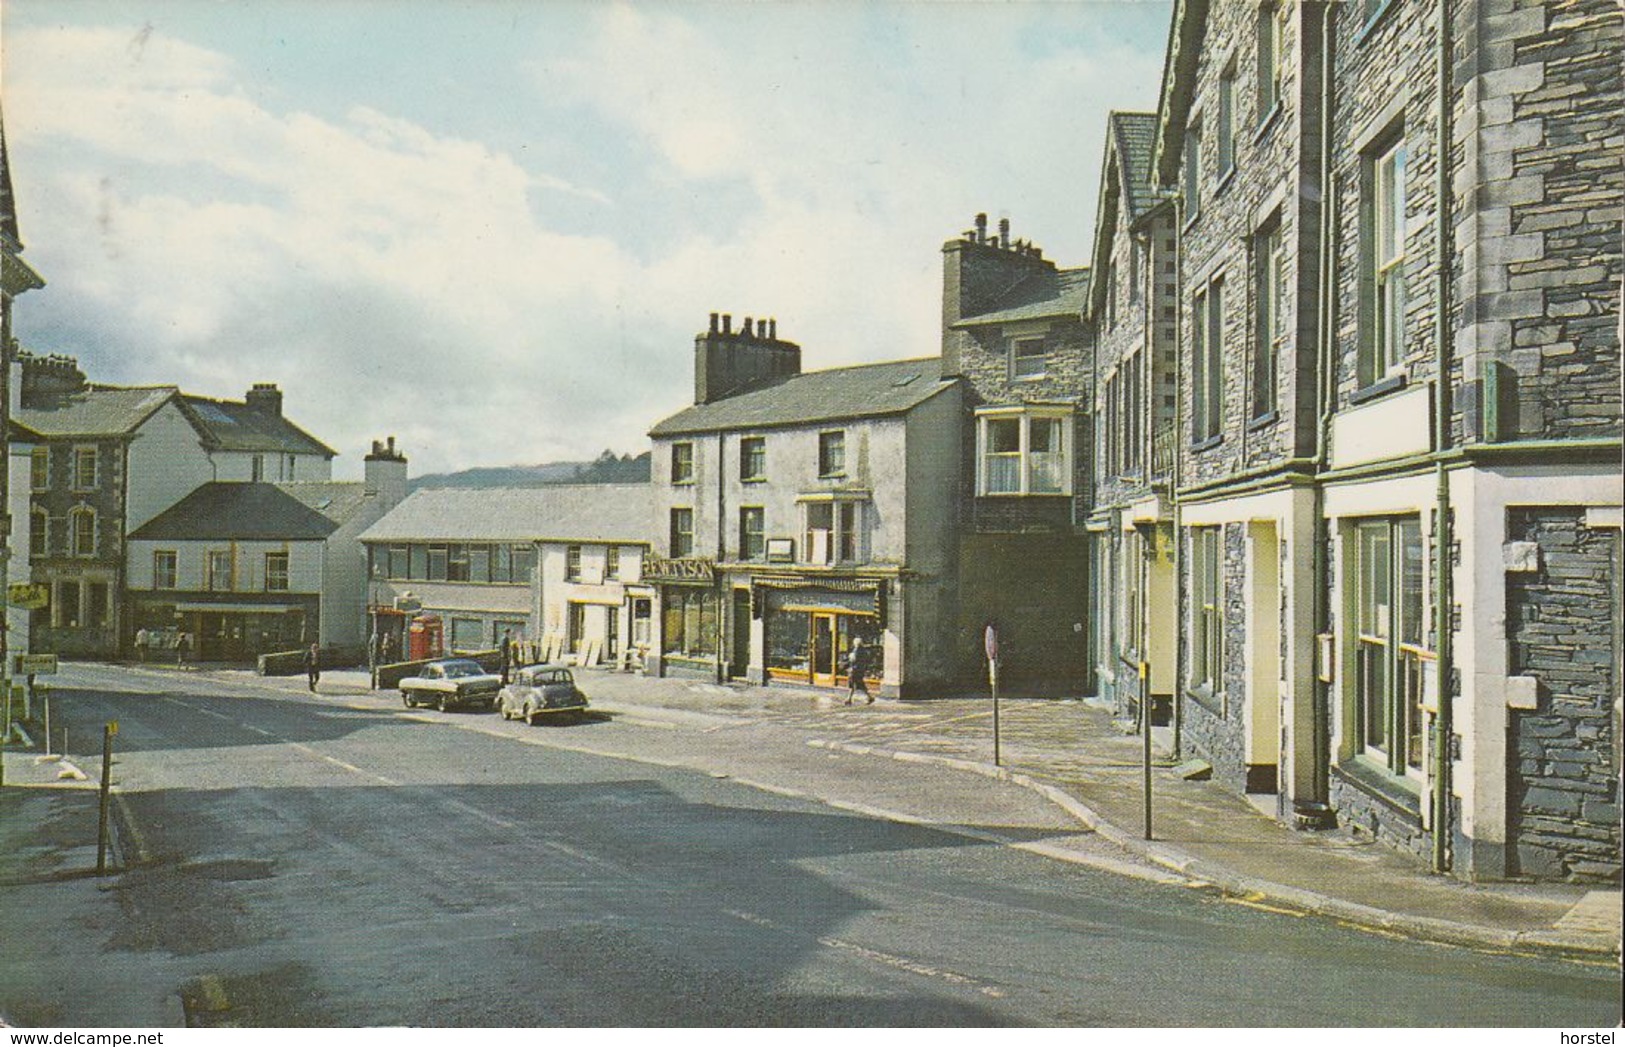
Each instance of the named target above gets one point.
<point>507,655</point>
<point>313,665</point>
<point>141,645</point>
<point>183,648</point>
<point>857,665</point>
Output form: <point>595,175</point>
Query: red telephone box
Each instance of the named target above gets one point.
<point>424,638</point>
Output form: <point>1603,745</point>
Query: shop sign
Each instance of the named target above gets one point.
<point>689,570</point>
<point>35,664</point>
<point>28,596</point>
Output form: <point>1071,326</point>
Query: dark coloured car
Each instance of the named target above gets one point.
<point>451,682</point>
<point>541,690</point>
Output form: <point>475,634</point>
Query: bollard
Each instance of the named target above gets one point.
<point>107,780</point>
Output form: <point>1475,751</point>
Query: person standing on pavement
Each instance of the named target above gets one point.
<point>141,645</point>
<point>313,665</point>
<point>857,664</point>
<point>507,655</point>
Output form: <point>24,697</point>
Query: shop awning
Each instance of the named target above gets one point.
<point>239,608</point>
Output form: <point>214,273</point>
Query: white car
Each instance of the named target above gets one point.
<point>451,682</point>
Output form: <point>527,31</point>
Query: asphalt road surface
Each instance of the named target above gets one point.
<point>342,862</point>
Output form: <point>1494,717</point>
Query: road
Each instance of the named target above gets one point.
<point>340,861</point>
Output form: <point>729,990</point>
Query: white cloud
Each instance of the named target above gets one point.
<point>398,279</point>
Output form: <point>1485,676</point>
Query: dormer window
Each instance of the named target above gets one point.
<point>1028,358</point>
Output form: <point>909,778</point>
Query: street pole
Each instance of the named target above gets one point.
<point>1145,738</point>
<point>990,645</point>
<point>107,782</point>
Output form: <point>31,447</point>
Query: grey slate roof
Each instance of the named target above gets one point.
<point>95,411</point>
<point>228,425</point>
<point>562,512</point>
<point>1041,296</point>
<point>244,512</point>
<point>338,500</point>
<point>868,390</point>
<point>1135,135</point>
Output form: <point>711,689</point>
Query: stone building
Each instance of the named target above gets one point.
<point>107,459</point>
<point>1398,494</point>
<point>803,511</point>
<point>1133,309</point>
<point>1013,331</point>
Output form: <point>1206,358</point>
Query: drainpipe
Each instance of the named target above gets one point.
<point>1444,589</point>
<point>1180,588</point>
<point>1314,810</point>
<point>724,624</point>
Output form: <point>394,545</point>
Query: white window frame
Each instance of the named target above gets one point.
<point>172,570</point>
<point>76,547</point>
<point>211,579</point>
<point>682,462</point>
<point>39,469</point>
<point>1388,229</point>
<point>1024,456</point>
<point>92,453</point>
<point>844,541</point>
<point>1029,365</point>
<point>286,572</point>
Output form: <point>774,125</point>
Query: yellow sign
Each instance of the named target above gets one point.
<point>28,596</point>
<point>112,727</point>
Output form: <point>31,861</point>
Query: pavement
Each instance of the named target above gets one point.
<point>1073,753</point>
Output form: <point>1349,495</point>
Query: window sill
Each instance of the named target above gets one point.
<point>832,476</point>
<point>753,479</point>
<point>1207,443</point>
<point>1378,16</point>
<point>1263,421</point>
<point>1023,494</point>
<point>683,483</point>
<point>1378,389</point>
<point>1225,180</point>
<point>1207,698</point>
<point>1401,794</point>
<point>1270,119</point>
<point>1029,377</point>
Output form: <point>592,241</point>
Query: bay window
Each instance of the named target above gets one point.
<point>1024,451</point>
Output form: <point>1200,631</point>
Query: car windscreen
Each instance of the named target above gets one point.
<point>458,670</point>
<point>557,676</point>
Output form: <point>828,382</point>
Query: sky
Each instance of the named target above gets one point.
<point>492,228</point>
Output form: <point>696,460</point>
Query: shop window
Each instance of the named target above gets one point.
<point>832,453</point>
<point>682,463</point>
<point>82,528</point>
<point>1024,452</point>
<point>217,570</point>
<point>276,572</point>
<point>85,462</point>
<point>572,563</point>
<point>690,623</point>
<point>681,537</point>
<point>1382,349</point>
<point>96,604</point>
<point>39,471</point>
<point>752,539</point>
<point>67,604</point>
<point>1207,610</point>
<point>467,634</point>
<point>1391,661</point>
<point>1028,358</point>
<point>165,568</point>
<point>753,458</point>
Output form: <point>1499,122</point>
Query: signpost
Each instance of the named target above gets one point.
<point>107,781</point>
<point>990,643</point>
<point>1145,739</point>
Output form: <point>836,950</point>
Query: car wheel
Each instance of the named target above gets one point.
<point>440,702</point>
<point>530,714</point>
<point>408,700</point>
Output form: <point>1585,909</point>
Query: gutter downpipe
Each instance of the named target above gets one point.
<point>1314,811</point>
<point>725,623</point>
<point>1444,589</point>
<point>1180,652</point>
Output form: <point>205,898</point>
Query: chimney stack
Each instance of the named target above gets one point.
<point>981,228</point>
<point>726,363</point>
<point>384,473</point>
<point>266,398</point>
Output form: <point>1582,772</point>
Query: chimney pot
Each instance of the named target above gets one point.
<point>1004,231</point>
<point>746,329</point>
<point>773,328</point>
<point>981,228</point>
<point>713,323</point>
<point>727,323</point>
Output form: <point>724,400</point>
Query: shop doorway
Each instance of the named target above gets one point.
<point>740,661</point>
<point>826,659</point>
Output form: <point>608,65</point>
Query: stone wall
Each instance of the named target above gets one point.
<point>1214,727</point>
<point>1561,619</point>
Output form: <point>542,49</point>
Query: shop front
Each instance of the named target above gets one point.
<point>809,628</point>
<point>229,632</point>
<point>690,640</point>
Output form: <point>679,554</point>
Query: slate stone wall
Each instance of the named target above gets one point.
<point>1561,620</point>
